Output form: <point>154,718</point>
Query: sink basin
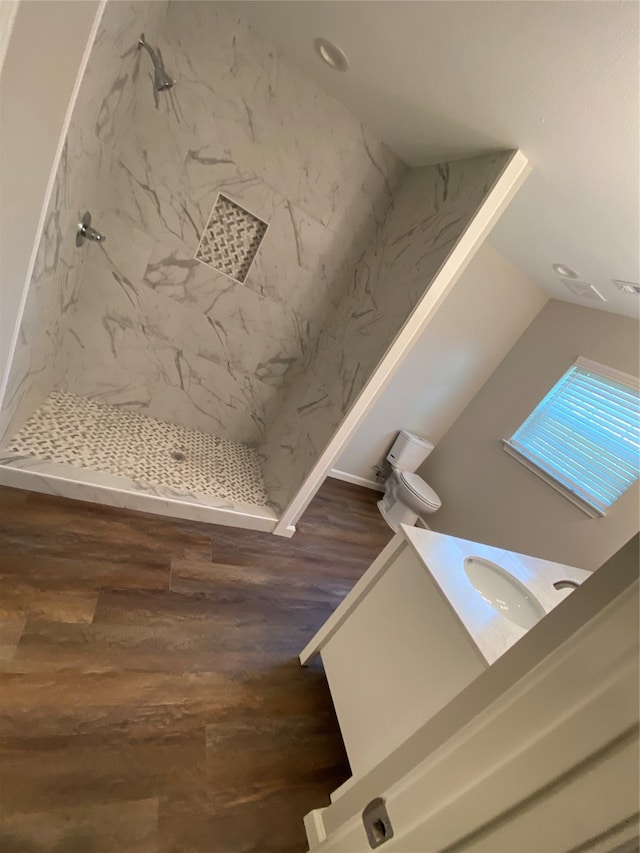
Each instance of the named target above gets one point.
<point>504,592</point>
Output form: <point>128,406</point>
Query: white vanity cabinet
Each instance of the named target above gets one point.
<point>394,654</point>
<point>430,614</point>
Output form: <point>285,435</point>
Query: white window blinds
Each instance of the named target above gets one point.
<point>585,433</point>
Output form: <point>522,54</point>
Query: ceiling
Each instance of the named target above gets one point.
<point>441,80</point>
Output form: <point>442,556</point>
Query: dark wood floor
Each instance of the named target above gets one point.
<point>150,696</point>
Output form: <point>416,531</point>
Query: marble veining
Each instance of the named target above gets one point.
<point>81,433</point>
<point>39,361</point>
<point>306,419</point>
<point>154,329</point>
<point>83,180</point>
<point>429,214</point>
<point>393,271</point>
<point>141,349</point>
<point>353,243</point>
<point>69,481</point>
<point>138,322</point>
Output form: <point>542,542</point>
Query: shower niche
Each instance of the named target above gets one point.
<point>263,252</point>
<point>231,239</point>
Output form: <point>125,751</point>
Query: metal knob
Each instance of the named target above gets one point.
<point>86,232</point>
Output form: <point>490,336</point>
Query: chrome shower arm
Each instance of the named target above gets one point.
<point>161,80</point>
<point>149,49</point>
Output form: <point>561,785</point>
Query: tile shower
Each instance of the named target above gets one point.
<point>145,322</point>
<point>261,254</point>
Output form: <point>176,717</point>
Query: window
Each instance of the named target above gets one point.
<point>584,437</point>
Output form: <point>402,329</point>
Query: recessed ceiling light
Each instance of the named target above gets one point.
<point>565,271</point>
<point>626,286</point>
<point>331,54</point>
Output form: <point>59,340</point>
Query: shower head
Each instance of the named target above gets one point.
<point>161,80</point>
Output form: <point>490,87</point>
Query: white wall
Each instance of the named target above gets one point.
<point>478,323</point>
<point>40,67</point>
<point>488,496</point>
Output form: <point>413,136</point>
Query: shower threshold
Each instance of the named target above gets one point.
<point>77,448</point>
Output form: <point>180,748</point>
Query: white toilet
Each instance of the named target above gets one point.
<point>406,495</point>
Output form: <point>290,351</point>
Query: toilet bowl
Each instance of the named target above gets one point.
<point>407,496</point>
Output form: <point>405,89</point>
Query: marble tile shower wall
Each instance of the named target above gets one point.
<point>160,333</point>
<point>430,212</point>
<point>82,178</point>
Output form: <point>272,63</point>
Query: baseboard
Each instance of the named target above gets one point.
<point>357,481</point>
<point>288,532</point>
<point>314,827</point>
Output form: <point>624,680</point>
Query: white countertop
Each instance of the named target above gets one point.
<point>491,632</point>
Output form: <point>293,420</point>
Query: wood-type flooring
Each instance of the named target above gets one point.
<point>150,694</point>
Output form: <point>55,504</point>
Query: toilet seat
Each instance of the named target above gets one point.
<point>423,491</point>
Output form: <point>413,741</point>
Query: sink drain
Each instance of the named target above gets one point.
<point>178,456</point>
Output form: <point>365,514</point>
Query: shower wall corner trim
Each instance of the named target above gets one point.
<point>6,366</point>
<point>497,199</point>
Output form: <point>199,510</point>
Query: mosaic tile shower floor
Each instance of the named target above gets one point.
<point>79,432</point>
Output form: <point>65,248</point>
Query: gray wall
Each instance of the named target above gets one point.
<point>429,213</point>
<point>451,361</point>
<point>488,496</point>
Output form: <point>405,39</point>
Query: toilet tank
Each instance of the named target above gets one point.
<point>409,451</point>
